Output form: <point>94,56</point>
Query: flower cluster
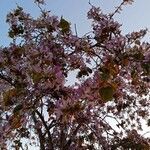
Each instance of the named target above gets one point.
<point>111,84</point>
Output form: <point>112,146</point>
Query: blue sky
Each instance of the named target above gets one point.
<point>133,17</point>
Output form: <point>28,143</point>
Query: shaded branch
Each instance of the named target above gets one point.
<point>7,79</point>
<point>66,147</point>
<point>41,137</point>
<point>47,129</point>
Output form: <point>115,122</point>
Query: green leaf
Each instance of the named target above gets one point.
<point>146,68</point>
<point>106,93</point>
<point>104,73</point>
<point>36,77</point>
<point>18,11</point>
<point>148,122</point>
<point>64,25</point>
<point>138,56</point>
<point>8,96</point>
<point>11,34</point>
<point>18,108</point>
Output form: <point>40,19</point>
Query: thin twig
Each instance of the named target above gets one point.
<point>117,10</point>
<point>75,27</point>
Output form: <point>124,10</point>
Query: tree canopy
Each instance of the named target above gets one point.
<point>105,107</point>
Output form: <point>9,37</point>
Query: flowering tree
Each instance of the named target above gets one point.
<point>103,109</point>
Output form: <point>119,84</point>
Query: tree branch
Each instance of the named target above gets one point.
<point>47,129</point>
<point>66,147</point>
<point>41,137</point>
<point>7,79</point>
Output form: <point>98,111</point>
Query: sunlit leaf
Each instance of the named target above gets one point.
<point>15,121</point>
<point>8,95</point>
